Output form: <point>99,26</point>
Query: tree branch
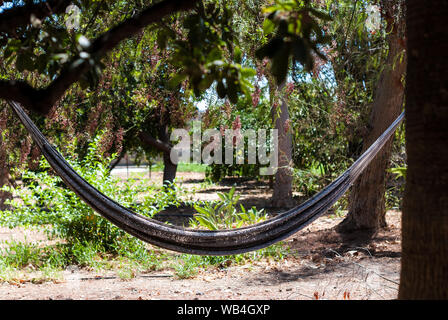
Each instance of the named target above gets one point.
<point>12,18</point>
<point>42,100</point>
<point>155,143</point>
<point>19,91</point>
<point>132,26</point>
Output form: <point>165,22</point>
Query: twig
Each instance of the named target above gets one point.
<point>334,251</point>
<point>379,275</point>
<point>365,250</point>
<point>374,290</point>
<point>301,294</point>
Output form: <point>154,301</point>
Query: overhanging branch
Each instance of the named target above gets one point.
<point>155,143</point>
<point>41,100</point>
<point>19,91</point>
<point>18,16</point>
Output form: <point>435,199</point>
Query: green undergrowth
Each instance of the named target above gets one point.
<point>29,262</point>
<point>182,167</point>
<point>81,237</point>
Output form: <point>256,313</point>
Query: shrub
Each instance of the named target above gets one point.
<point>224,213</point>
<point>43,200</point>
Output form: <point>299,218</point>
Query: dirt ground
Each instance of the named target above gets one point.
<point>321,265</point>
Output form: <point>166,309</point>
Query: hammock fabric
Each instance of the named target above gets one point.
<point>204,242</point>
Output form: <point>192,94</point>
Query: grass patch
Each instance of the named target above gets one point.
<point>182,167</point>
<point>187,266</point>
<point>26,262</point>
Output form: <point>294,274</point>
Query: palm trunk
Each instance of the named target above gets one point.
<point>366,214</point>
<point>424,269</point>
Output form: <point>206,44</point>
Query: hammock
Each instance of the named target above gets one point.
<point>204,242</point>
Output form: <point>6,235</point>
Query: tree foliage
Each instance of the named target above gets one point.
<point>230,50</point>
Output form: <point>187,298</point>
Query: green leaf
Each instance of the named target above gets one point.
<point>248,72</point>
<point>206,82</point>
<point>214,55</point>
<point>201,210</point>
<point>176,80</point>
<point>83,41</point>
<point>231,192</point>
<point>162,39</point>
<point>268,26</point>
<point>232,91</point>
<point>321,15</point>
<point>238,55</point>
<point>41,63</point>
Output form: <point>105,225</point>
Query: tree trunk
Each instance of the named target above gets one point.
<point>366,214</point>
<point>163,145</point>
<point>424,264</point>
<point>4,176</point>
<point>169,168</point>
<point>282,193</point>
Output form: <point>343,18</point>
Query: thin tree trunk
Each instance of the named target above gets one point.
<point>282,187</point>
<point>169,168</point>
<point>163,145</point>
<point>366,214</point>
<point>424,263</point>
<point>4,176</point>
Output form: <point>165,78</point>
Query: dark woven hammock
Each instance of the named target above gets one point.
<point>204,242</point>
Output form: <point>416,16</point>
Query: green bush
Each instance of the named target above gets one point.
<point>224,213</point>
<point>44,201</point>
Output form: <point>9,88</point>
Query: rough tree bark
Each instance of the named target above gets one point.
<point>282,186</point>
<point>424,263</point>
<point>366,214</point>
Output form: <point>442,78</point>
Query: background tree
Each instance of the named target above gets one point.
<point>367,205</point>
<point>142,102</point>
<point>221,65</point>
<point>296,38</point>
<point>44,62</point>
<point>280,29</point>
